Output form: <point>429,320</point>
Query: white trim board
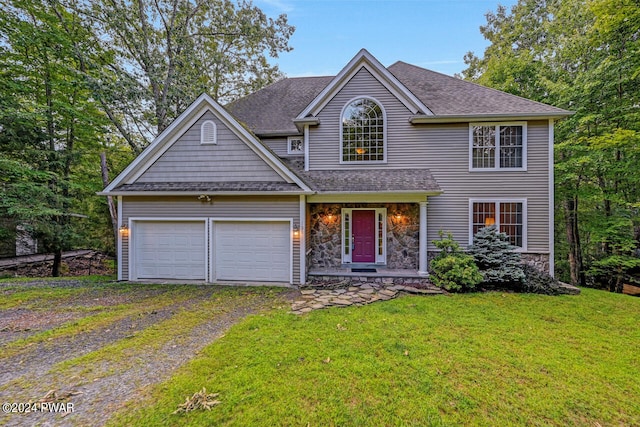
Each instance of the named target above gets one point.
<point>363,59</point>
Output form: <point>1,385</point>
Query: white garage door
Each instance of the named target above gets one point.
<point>252,251</point>
<point>170,250</point>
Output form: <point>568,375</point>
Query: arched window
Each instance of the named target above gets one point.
<point>363,131</point>
<point>208,133</point>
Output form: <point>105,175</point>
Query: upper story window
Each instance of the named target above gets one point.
<point>363,132</point>
<point>208,133</point>
<point>498,146</point>
<point>295,145</point>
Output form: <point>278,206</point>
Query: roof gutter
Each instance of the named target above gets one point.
<point>465,118</point>
<point>198,193</point>
<point>311,121</point>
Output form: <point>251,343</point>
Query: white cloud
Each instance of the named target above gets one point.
<point>282,6</point>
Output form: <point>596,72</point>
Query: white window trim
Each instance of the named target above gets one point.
<point>497,146</point>
<point>384,133</point>
<point>497,201</point>
<point>293,138</point>
<point>380,259</point>
<point>215,133</point>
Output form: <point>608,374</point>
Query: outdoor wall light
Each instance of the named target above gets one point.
<point>296,230</point>
<point>330,215</point>
<point>124,230</point>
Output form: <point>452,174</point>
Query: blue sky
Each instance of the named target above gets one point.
<point>433,34</point>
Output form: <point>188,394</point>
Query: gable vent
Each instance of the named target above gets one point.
<point>208,133</point>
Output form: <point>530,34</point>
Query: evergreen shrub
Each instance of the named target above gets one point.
<point>452,269</point>
<point>496,259</point>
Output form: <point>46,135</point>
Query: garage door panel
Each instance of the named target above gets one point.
<point>170,250</point>
<point>252,251</point>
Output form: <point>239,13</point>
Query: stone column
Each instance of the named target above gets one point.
<point>422,260</point>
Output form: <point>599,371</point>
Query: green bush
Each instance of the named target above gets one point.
<point>494,255</point>
<point>539,282</point>
<point>452,269</point>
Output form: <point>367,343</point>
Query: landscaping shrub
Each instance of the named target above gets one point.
<point>539,282</point>
<point>496,259</point>
<point>452,269</point>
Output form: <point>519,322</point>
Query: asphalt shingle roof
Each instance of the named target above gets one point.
<point>271,110</point>
<point>370,181</point>
<point>446,95</point>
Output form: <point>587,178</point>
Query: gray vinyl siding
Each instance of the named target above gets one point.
<point>324,139</point>
<point>447,147</point>
<point>444,149</point>
<point>284,207</point>
<point>229,160</point>
<point>277,145</point>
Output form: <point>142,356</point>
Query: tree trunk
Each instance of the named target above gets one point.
<point>573,239</point>
<point>113,212</point>
<point>57,262</point>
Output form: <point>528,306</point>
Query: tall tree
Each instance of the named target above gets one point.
<point>583,55</point>
<point>48,119</point>
<point>170,51</point>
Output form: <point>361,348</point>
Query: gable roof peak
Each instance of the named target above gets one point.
<point>365,59</point>
<point>181,124</point>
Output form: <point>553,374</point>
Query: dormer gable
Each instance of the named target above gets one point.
<point>363,59</point>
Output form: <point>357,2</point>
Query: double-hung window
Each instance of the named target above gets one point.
<point>496,146</point>
<point>508,216</point>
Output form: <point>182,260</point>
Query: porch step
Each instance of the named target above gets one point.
<point>343,277</point>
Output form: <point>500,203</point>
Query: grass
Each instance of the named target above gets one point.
<point>476,359</point>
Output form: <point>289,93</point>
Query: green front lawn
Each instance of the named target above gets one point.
<point>487,359</point>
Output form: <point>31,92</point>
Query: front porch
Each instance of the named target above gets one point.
<point>374,241</point>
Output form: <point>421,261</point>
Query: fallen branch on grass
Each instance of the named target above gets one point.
<point>200,400</point>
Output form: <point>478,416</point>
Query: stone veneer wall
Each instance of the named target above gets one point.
<point>403,225</point>
<point>403,241</point>
<point>538,261</point>
<point>324,236</point>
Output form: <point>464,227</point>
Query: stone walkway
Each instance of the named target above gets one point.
<point>356,294</point>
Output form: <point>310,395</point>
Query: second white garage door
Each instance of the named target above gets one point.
<point>252,251</point>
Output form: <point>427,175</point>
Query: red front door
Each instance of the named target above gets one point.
<point>364,236</point>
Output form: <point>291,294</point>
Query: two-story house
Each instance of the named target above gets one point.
<point>321,175</point>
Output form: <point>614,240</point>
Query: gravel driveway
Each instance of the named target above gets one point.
<point>93,347</point>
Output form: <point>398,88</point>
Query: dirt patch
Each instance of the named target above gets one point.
<point>20,323</point>
<point>107,383</point>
